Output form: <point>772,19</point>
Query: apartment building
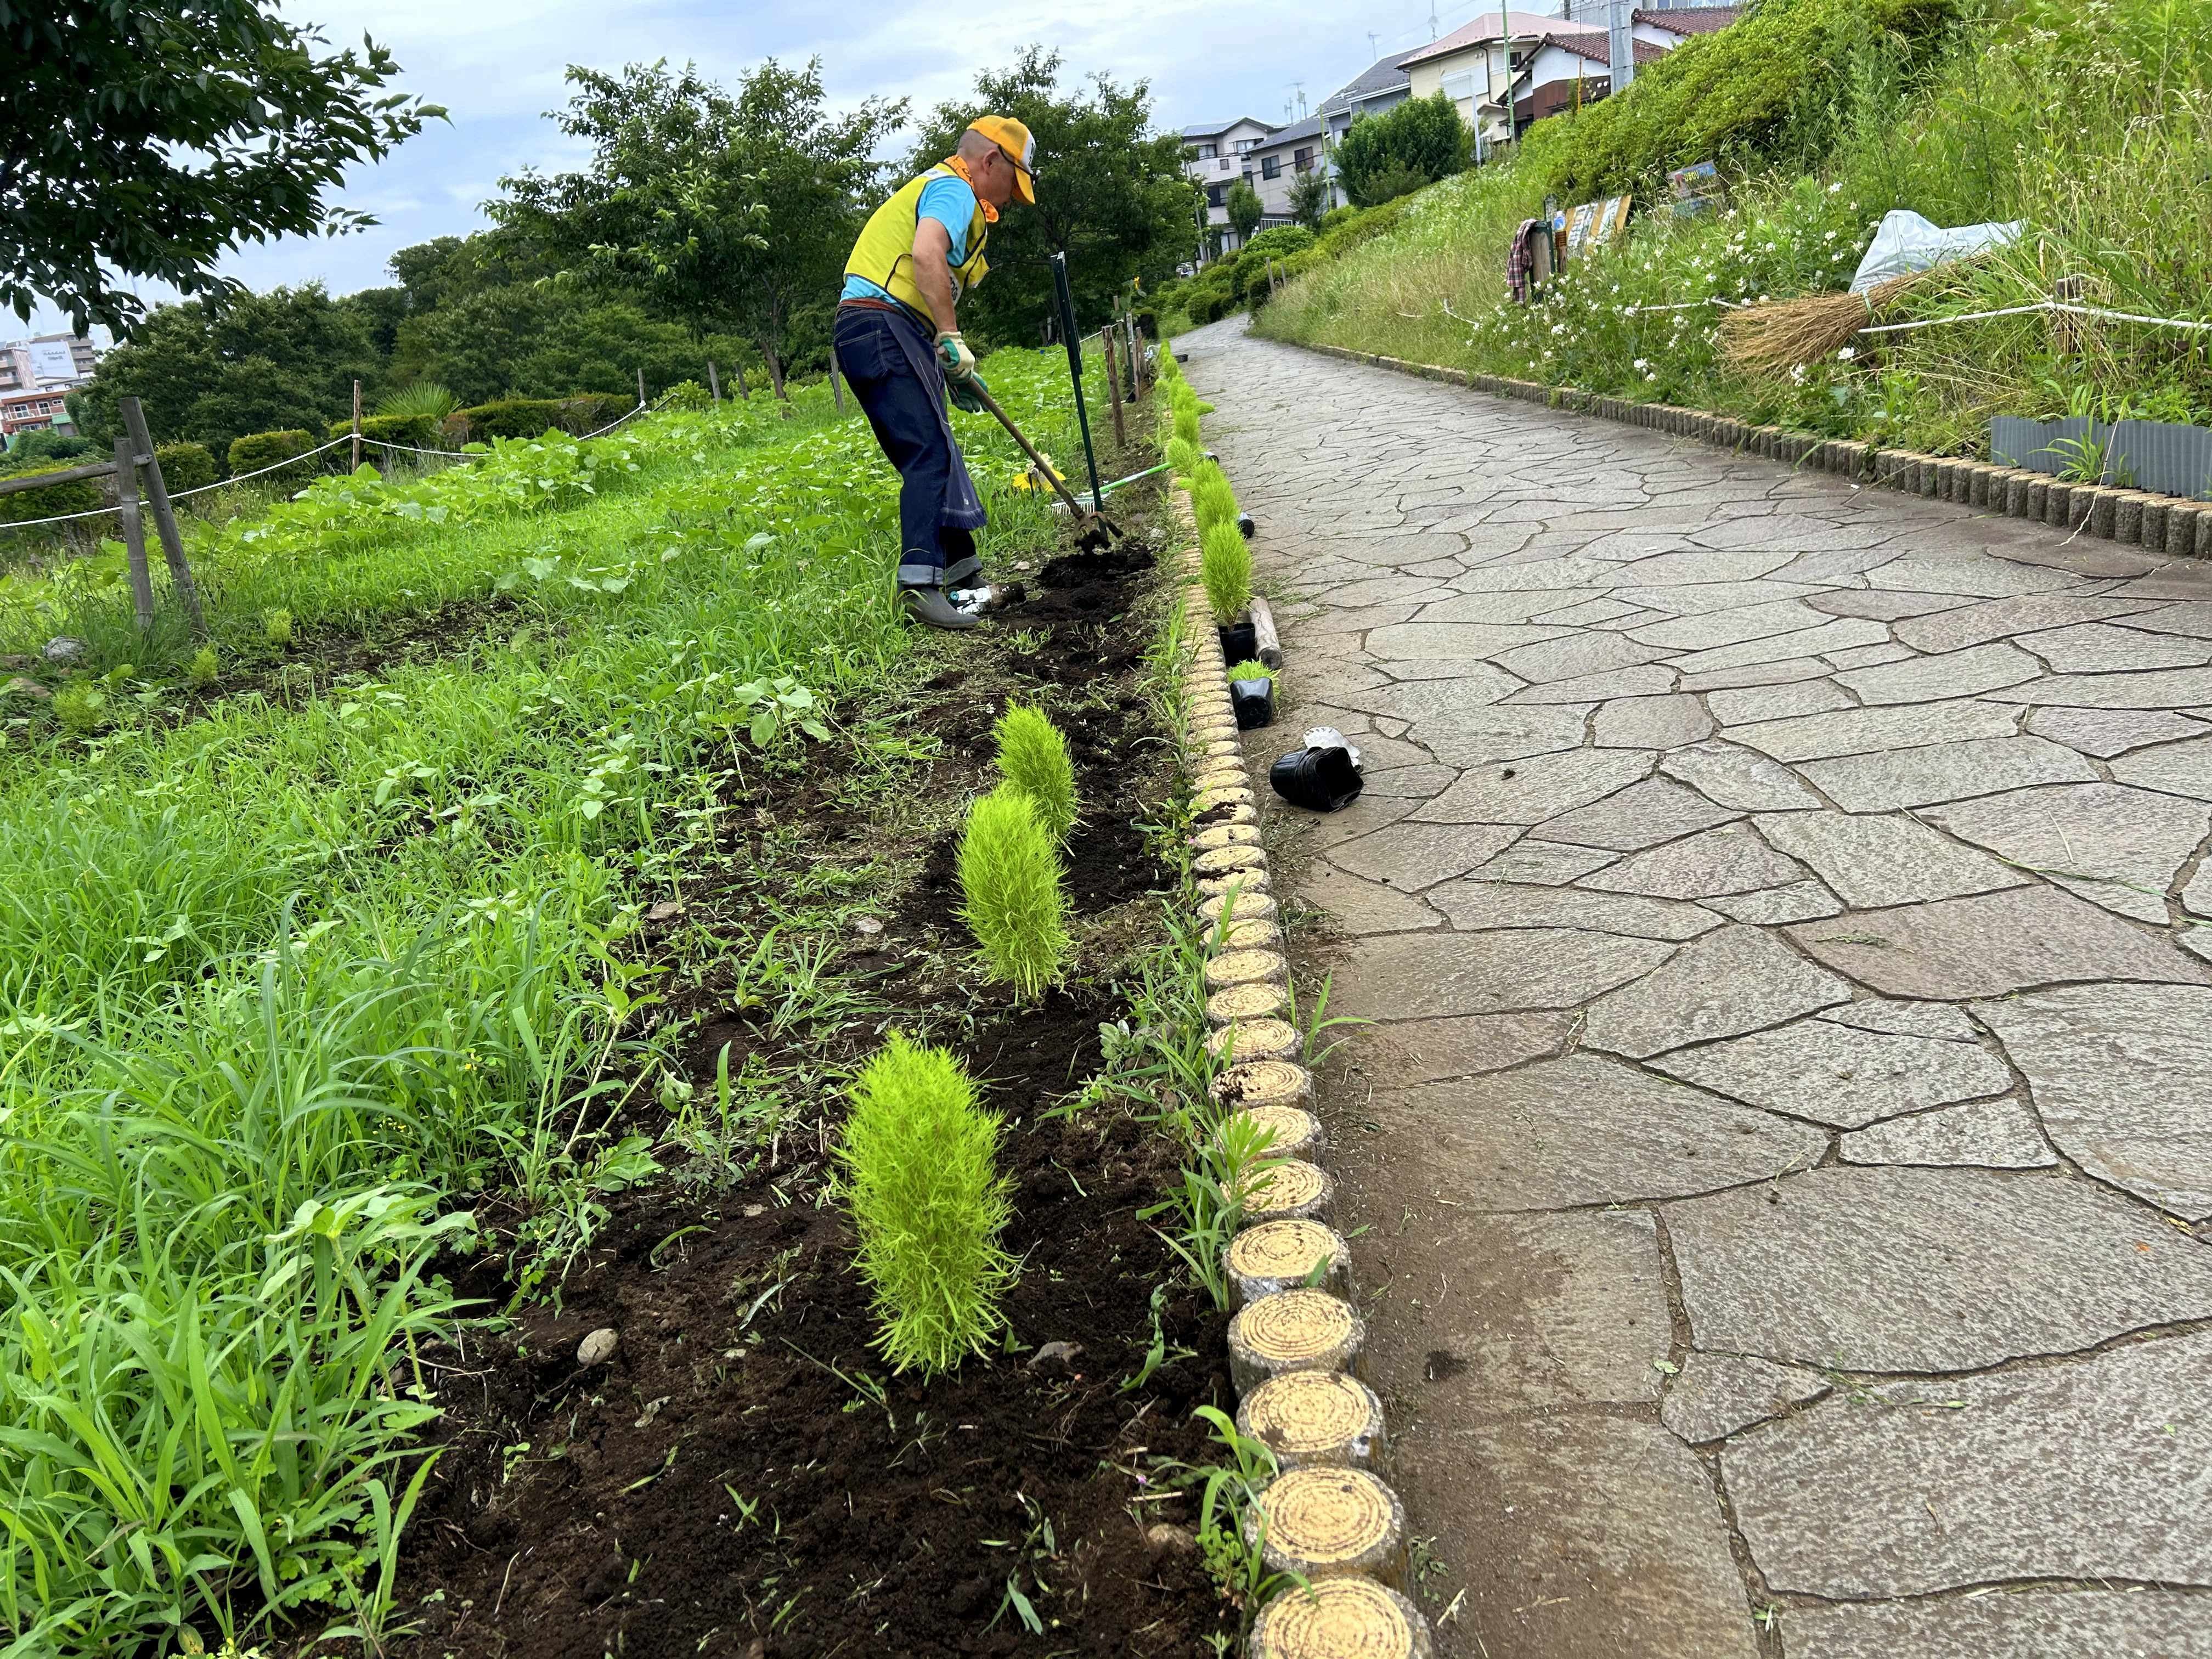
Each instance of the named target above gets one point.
<point>1215,157</point>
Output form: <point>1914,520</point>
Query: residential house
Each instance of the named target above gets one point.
<point>1278,160</point>
<point>1381,86</point>
<point>1566,71</point>
<point>1476,62</point>
<point>1215,157</point>
<point>32,412</point>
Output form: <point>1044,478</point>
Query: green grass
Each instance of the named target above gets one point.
<point>918,1155</point>
<point>1010,894</point>
<point>1033,758</point>
<point>282,972</point>
<point>1958,128</point>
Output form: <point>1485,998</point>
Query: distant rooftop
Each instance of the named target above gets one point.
<point>1523,23</point>
<point>1219,127</point>
<point>1309,128</point>
<point>1384,74</point>
<point>1690,20</point>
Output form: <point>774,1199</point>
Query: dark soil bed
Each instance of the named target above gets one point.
<point>743,1478</point>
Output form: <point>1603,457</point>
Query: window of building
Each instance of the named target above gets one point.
<point>1270,166</point>
<point>1205,152</point>
<point>1245,145</point>
<point>1302,158</point>
<point>1217,195</point>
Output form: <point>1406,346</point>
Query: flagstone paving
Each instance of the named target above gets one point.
<point>1780,1159</point>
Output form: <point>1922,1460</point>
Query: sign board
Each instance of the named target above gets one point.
<point>50,361</point>
<point>1594,224</point>
<point>1578,226</point>
<point>1687,184</point>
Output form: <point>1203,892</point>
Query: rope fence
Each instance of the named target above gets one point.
<point>308,455</point>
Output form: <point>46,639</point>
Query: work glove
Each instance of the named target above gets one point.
<point>964,392</point>
<point>952,351</point>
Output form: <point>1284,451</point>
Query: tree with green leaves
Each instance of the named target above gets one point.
<point>1309,195</point>
<point>1111,194</point>
<point>220,367</point>
<point>1412,143</point>
<point>147,141</point>
<point>1245,209</point>
<point>720,212</point>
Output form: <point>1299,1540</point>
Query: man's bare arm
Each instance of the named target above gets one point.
<point>933,272</point>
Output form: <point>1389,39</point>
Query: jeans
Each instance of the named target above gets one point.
<point>907,415</point>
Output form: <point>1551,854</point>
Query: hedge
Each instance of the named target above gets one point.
<point>533,417</point>
<point>82,495</point>
<point>259,449</point>
<point>417,431</point>
<point>184,466</point>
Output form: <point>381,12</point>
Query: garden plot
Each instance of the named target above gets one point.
<point>338,994</point>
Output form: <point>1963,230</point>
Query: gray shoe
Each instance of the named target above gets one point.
<point>929,605</point>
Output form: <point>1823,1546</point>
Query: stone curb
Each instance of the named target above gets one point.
<point>1283,1329</point>
<point>2171,525</point>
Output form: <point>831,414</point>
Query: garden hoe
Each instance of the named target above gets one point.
<point>1094,531</point>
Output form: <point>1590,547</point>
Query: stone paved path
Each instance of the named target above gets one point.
<point>1786,1138</point>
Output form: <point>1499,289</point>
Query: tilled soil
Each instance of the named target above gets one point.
<point>743,1477</point>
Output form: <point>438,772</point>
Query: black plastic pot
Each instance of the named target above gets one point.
<point>1253,702</point>
<point>1245,527</point>
<point>1319,780</point>
<point>1240,642</point>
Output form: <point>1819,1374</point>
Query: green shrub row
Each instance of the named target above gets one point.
<point>22,506</point>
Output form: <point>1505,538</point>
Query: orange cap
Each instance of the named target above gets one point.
<point>1015,144</point>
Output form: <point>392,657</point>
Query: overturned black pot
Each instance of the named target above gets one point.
<point>1253,702</point>
<point>1321,778</point>
<point>1240,642</point>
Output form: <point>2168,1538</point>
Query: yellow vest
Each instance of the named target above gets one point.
<point>884,252</point>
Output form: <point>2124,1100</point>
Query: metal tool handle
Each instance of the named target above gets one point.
<point>983,396</point>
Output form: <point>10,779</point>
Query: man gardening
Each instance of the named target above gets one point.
<point>898,343</point>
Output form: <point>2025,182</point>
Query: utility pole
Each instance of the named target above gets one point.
<point>1621,43</point>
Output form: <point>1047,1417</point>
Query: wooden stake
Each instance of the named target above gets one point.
<point>713,384</point>
<point>357,428</point>
<point>164,517</point>
<point>1113,384</point>
<point>640,388</point>
<point>737,369</point>
<point>836,383</point>
<point>134,534</point>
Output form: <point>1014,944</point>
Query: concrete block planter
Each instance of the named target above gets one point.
<point>1315,1419</point>
<point>1334,1524</point>
<point>1293,1132</point>
<point>1247,1004</point>
<point>1340,1619</point>
<point>1247,968</point>
<point>1300,1330</point>
<point>1258,1039</point>
<point>1287,1256</point>
<point>1245,906</point>
<point>1294,1190</point>
<point>1266,1082</point>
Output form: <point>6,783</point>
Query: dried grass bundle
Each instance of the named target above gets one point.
<point>1768,338</point>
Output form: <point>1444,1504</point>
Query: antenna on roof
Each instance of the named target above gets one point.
<point>1374,44</point>
<point>1433,19</point>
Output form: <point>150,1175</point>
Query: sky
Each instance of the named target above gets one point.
<point>496,66</point>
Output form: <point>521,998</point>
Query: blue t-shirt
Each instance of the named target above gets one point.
<point>952,203</point>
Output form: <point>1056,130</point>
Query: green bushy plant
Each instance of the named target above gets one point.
<point>258,449</point>
<point>1225,566</point>
<point>918,1160</point>
<point>276,628</point>
<point>424,398</point>
<point>184,466</point>
<point>22,506</point>
<point>1182,457</point>
<point>204,668</point>
<point>1185,414</point>
<point>418,431</point>
<point>1012,898</point>
<point>82,707</point>
<point>1033,758</point>
<point>514,417</point>
<point>1213,501</point>
<point>1251,669</point>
